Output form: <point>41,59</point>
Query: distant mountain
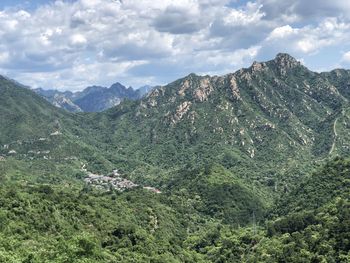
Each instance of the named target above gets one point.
<point>144,90</point>
<point>93,98</point>
<point>59,99</point>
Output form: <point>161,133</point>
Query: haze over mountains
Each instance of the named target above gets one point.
<point>93,98</point>
<point>243,167</point>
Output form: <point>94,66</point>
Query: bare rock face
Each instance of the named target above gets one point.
<point>181,110</point>
<point>61,101</point>
<point>203,91</point>
<point>153,95</point>
<point>285,62</point>
<point>234,89</point>
<point>185,86</point>
<point>256,67</point>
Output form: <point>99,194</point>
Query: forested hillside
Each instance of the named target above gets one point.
<point>252,166</point>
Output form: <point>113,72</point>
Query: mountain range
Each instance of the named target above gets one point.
<point>274,114</point>
<point>251,166</point>
<point>93,98</point>
<point>266,120</point>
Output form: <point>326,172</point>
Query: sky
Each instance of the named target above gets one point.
<point>69,45</point>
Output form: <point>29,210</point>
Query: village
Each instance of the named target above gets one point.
<point>106,182</point>
<point>115,181</point>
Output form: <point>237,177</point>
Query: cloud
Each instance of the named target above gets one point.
<point>73,44</point>
<point>180,19</point>
<point>78,40</point>
<point>301,10</point>
<point>282,32</point>
<point>346,57</point>
<point>4,57</point>
<point>308,39</point>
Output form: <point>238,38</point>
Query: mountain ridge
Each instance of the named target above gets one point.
<point>92,98</point>
<point>273,110</point>
<point>270,113</point>
<point>231,156</point>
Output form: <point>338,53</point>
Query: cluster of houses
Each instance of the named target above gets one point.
<point>115,181</point>
<point>103,181</point>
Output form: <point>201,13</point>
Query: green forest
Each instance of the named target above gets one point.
<point>247,167</point>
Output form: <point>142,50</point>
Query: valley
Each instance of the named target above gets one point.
<point>252,166</point>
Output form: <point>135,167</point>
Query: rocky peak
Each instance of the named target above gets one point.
<point>257,66</point>
<point>118,86</point>
<point>285,60</point>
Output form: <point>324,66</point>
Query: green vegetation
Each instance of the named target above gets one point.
<point>245,164</point>
<point>54,219</point>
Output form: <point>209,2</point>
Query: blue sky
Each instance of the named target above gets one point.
<point>69,45</point>
<point>29,5</point>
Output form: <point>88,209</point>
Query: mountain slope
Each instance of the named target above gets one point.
<point>92,99</point>
<point>226,152</point>
<point>266,119</point>
<point>24,114</point>
<point>33,129</point>
<point>312,226</point>
<point>316,190</point>
<point>59,99</point>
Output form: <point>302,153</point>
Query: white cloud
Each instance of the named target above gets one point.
<point>309,38</point>
<point>304,11</point>
<point>4,57</point>
<point>72,44</point>
<point>251,14</point>
<point>306,45</point>
<point>346,57</point>
<point>282,32</point>
<point>78,40</point>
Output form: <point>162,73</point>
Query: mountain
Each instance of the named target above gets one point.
<point>144,90</point>
<point>233,168</point>
<point>59,99</point>
<point>31,128</point>
<point>271,122</point>
<point>314,227</point>
<point>95,99</point>
<point>264,121</point>
<point>24,114</point>
<point>92,99</point>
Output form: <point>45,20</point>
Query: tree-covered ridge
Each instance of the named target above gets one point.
<point>48,218</point>
<point>239,161</point>
<point>319,188</point>
<point>271,112</point>
<point>24,114</point>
